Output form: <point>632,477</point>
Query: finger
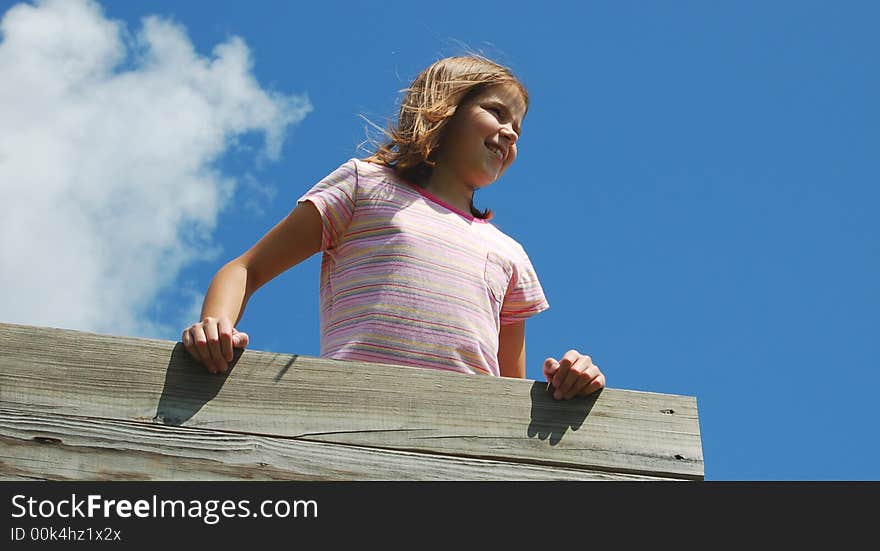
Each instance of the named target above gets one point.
<point>224,333</point>
<point>559,378</point>
<point>568,359</point>
<point>213,346</point>
<point>550,367</point>
<point>581,375</point>
<point>572,381</point>
<point>596,384</point>
<point>200,345</point>
<point>577,388</point>
<point>188,343</point>
<point>239,339</point>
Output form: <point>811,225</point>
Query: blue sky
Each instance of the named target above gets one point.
<point>694,187</point>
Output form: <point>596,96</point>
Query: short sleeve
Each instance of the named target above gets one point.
<point>525,296</point>
<point>335,197</point>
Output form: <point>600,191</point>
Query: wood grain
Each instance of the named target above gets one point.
<point>59,447</point>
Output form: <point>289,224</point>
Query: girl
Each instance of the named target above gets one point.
<point>412,273</point>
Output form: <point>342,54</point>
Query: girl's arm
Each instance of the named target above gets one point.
<point>512,350</point>
<point>294,239</point>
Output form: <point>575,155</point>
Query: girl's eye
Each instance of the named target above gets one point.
<point>494,110</point>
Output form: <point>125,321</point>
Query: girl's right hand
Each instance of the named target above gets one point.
<point>211,341</point>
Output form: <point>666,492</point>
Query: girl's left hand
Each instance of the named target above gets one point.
<point>574,375</point>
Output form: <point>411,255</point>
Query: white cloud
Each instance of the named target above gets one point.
<point>107,152</point>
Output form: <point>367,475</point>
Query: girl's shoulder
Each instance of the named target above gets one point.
<point>379,174</point>
<point>376,179</point>
<point>502,242</point>
<point>371,167</point>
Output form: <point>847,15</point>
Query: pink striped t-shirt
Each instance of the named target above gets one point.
<point>409,280</point>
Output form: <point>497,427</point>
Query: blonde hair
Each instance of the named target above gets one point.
<point>428,105</point>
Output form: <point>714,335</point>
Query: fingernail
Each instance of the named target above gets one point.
<point>558,394</point>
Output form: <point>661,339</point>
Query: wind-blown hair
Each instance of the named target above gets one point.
<point>429,104</point>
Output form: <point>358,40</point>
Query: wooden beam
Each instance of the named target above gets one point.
<point>357,405</point>
<point>62,447</point>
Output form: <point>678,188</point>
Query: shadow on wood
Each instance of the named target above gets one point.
<point>188,387</point>
<point>552,418</point>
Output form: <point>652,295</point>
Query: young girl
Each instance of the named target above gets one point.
<point>412,273</point>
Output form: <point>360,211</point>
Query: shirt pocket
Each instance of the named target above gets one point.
<point>497,274</point>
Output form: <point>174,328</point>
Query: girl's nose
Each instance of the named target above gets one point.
<point>508,133</point>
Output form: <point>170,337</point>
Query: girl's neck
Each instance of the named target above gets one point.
<point>443,185</point>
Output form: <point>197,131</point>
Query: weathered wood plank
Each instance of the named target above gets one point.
<point>59,447</point>
<point>367,405</point>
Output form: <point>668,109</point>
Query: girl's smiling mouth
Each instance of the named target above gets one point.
<point>500,153</point>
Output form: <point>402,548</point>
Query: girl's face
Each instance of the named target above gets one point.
<point>479,142</point>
